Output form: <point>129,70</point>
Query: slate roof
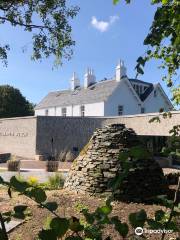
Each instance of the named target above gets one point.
<point>147,91</point>
<point>98,92</point>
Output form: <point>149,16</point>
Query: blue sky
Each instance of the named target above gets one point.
<point>103,34</point>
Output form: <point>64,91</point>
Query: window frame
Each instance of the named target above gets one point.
<point>120,110</point>
<point>64,112</point>
<point>143,110</point>
<point>46,112</point>
<point>82,110</point>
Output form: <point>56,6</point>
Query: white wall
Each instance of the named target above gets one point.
<point>122,96</point>
<point>93,109</point>
<point>153,104</point>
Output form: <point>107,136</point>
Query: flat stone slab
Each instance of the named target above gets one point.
<point>12,224</point>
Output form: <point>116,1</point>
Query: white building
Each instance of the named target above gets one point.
<point>118,96</point>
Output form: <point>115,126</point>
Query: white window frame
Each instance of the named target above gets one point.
<point>82,110</point>
<point>46,112</point>
<point>64,112</point>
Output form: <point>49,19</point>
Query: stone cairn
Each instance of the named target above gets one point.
<point>98,163</point>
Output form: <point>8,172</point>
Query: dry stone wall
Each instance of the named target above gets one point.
<point>98,163</point>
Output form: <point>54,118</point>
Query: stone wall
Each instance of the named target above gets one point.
<point>98,164</point>
<point>69,135</point>
<point>32,136</point>
<point>18,136</point>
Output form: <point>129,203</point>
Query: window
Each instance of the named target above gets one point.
<point>142,110</point>
<point>140,89</point>
<point>82,111</point>
<point>155,93</point>
<point>46,112</point>
<point>63,112</point>
<point>120,110</point>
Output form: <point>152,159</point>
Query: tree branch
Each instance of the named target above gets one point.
<point>23,24</point>
<point>3,227</point>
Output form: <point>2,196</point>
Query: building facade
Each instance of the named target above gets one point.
<point>109,97</point>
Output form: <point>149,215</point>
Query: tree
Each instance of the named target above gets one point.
<point>47,20</point>
<point>163,42</point>
<point>13,104</point>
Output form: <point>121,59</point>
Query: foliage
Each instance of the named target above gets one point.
<point>13,103</point>
<point>55,181</point>
<point>163,42</point>
<point>92,225</point>
<point>172,178</point>
<point>47,21</point>
<point>33,181</point>
<point>52,166</point>
<point>13,164</point>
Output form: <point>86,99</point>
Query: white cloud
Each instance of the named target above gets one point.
<point>103,26</point>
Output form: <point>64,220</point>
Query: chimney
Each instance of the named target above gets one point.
<point>89,78</point>
<point>120,71</point>
<point>74,82</point>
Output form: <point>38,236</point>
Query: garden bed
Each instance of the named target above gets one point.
<point>68,207</point>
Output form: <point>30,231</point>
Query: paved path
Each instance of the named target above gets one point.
<point>33,164</point>
<point>41,175</point>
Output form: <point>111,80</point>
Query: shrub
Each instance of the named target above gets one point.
<point>13,164</point>
<point>172,178</point>
<point>55,181</point>
<point>33,181</point>
<point>52,166</point>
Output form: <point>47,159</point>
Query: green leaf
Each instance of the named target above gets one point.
<point>154,224</point>
<point>122,228</point>
<point>162,199</point>
<point>159,215</point>
<point>52,206</point>
<point>18,185</point>
<point>2,235</point>
<point>141,61</point>
<point>90,218</point>
<point>106,210</point>
<point>38,195</point>
<point>123,156</point>
<point>139,152</point>
<point>115,2</point>
<point>9,192</point>
<point>138,219</point>
<point>75,225</point>
<point>1,180</point>
<point>48,234</point>
<point>75,238</point>
<point>60,226</point>
<point>20,208</point>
